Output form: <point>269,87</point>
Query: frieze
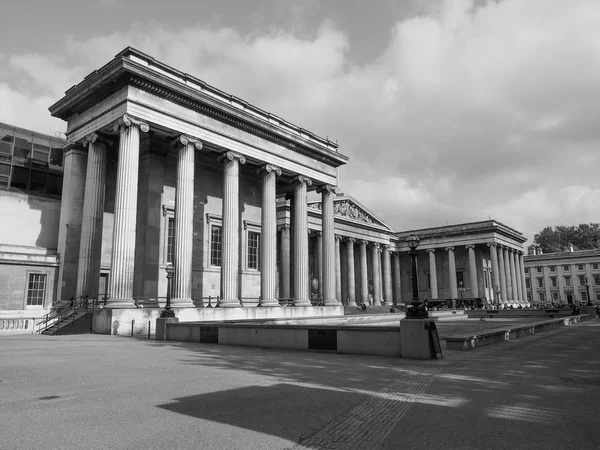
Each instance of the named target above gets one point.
<point>348,209</point>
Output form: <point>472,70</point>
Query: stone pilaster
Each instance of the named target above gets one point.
<point>268,236</point>
<point>328,246</point>
<point>122,267</point>
<point>364,275</point>
<point>284,274</point>
<point>433,273</point>
<point>375,264</point>
<point>518,277</point>
<point>387,275</point>
<point>452,273</point>
<point>90,245</point>
<point>351,275</point>
<point>495,271</point>
<point>318,261</point>
<point>509,290</point>
<point>473,271</point>
<point>502,271</point>
<point>513,274</point>
<point>184,222</point>
<point>338,268</point>
<point>300,228</point>
<point>231,229</point>
<point>397,279</point>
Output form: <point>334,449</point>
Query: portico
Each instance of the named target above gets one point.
<point>180,172</point>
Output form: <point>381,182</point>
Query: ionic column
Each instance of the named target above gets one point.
<point>268,236</point>
<point>513,274</point>
<point>231,229</point>
<point>350,268</point>
<point>376,274</point>
<point>122,261</point>
<point>364,275</point>
<point>318,260</point>
<point>338,268</point>
<point>285,262</point>
<point>433,273</point>
<point>452,273</point>
<point>90,246</point>
<point>184,223</point>
<point>387,276</point>
<point>502,271</point>
<point>518,276</point>
<point>473,271</point>
<point>509,291</point>
<point>495,271</point>
<point>300,226</point>
<point>328,246</point>
<point>522,275</point>
<point>397,279</point>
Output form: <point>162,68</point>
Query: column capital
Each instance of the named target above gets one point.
<point>89,139</point>
<point>449,249</point>
<point>385,246</point>
<point>430,250</point>
<point>230,156</point>
<point>492,244</point>
<point>127,121</point>
<point>338,237</point>
<point>350,239</point>
<point>285,226</point>
<point>470,246</point>
<point>329,188</point>
<point>268,168</point>
<point>375,245</point>
<point>185,140</point>
<point>300,179</point>
<point>363,242</point>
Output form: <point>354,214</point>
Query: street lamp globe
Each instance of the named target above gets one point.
<point>413,241</point>
<point>168,312</point>
<point>170,269</point>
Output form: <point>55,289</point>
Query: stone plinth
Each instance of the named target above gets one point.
<point>414,338</point>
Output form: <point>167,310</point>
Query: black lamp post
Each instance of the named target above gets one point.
<point>587,288</point>
<point>168,312</point>
<point>417,309</point>
<point>461,289</point>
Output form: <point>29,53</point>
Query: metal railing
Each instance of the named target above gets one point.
<point>65,312</point>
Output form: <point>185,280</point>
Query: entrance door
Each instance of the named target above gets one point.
<point>570,299</point>
<point>103,288</point>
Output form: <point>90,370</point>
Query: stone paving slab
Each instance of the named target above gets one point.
<point>99,392</point>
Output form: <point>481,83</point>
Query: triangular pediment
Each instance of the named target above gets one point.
<point>349,208</point>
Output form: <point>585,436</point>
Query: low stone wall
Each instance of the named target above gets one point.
<point>518,313</point>
<point>18,325</point>
<point>379,340</point>
<point>469,341</point>
<point>123,321</point>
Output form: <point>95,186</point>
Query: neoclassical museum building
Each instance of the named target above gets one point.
<point>159,167</point>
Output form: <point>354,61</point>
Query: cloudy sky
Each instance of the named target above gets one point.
<point>450,111</point>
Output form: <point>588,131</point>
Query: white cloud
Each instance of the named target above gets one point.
<point>468,111</point>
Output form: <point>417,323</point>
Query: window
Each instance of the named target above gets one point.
<point>539,269</point>
<point>553,281</point>
<point>552,269</point>
<point>540,282</point>
<point>216,245</point>
<point>583,296</point>
<point>36,289</point>
<point>594,266</point>
<point>486,280</point>
<point>460,278</point>
<point>4,175</point>
<point>555,296</point>
<point>529,297</point>
<point>170,239</point>
<point>567,268</point>
<point>582,280</point>
<point>597,280</point>
<point>22,147</point>
<point>526,269</point>
<point>567,281</point>
<point>528,283</point>
<point>253,250</point>
<point>542,297</point>
<point>597,296</point>
<point>6,142</point>
<point>580,267</point>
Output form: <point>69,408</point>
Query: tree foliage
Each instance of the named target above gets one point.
<point>583,237</point>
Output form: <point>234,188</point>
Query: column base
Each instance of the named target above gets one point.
<point>302,302</point>
<point>269,302</point>
<point>120,303</point>
<point>183,302</point>
<point>331,302</point>
<point>351,303</point>
<point>229,303</point>
<point>386,303</point>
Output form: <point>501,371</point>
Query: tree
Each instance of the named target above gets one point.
<point>582,237</point>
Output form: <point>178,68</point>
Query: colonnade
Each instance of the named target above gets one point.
<point>121,282</point>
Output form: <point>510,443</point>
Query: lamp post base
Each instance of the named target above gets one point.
<point>167,313</point>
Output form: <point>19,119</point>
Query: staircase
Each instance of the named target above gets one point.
<point>75,318</point>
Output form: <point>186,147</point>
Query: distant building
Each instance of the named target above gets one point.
<point>563,278</point>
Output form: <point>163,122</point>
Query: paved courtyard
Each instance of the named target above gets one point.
<point>107,392</point>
